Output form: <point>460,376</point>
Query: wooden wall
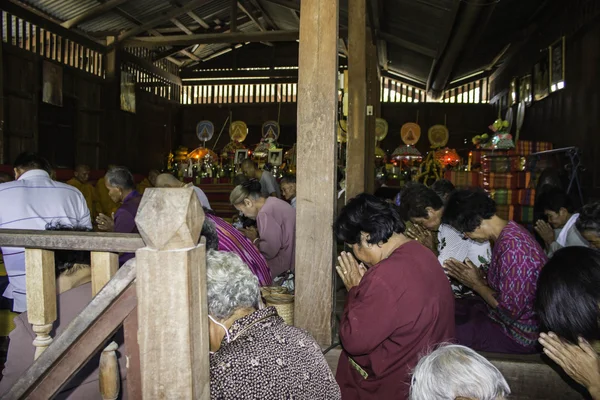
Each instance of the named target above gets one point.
<point>464,121</point>
<point>83,130</point>
<point>568,117</point>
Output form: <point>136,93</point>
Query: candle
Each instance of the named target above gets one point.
<point>470,158</point>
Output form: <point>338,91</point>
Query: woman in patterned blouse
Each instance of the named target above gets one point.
<point>502,318</point>
<point>256,355</point>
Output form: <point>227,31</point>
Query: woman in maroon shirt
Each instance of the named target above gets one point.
<point>399,302</point>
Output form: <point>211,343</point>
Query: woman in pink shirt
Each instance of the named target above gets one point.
<point>275,237</point>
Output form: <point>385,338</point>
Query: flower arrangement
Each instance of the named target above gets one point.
<point>501,138</point>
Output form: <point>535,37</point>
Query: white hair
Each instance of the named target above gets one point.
<point>230,284</point>
<point>454,371</point>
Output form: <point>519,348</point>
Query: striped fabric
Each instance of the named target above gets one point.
<point>32,202</point>
<point>517,260</point>
<point>230,239</point>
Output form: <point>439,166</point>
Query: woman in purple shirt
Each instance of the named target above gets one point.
<point>502,318</point>
<point>275,237</point>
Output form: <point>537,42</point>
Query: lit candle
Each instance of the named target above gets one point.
<point>470,158</point>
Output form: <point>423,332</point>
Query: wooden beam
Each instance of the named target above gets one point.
<point>373,103</point>
<point>199,20</point>
<point>181,26</point>
<point>357,92</point>
<point>273,73</point>
<point>126,56</point>
<point>3,146</point>
<point>211,38</point>
<point>85,241</point>
<point>233,8</point>
<point>317,127</point>
<point>382,54</point>
<point>408,45</point>
<point>295,15</point>
<point>252,17</point>
<point>265,15</point>
<point>292,5</point>
<point>172,13</point>
<point>92,13</point>
<point>241,81</point>
<point>44,23</point>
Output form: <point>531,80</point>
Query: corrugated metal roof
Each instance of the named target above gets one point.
<point>282,16</point>
<point>108,22</point>
<point>145,10</point>
<point>62,9</point>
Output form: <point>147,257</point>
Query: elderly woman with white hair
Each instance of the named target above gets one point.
<point>455,372</point>
<point>256,355</point>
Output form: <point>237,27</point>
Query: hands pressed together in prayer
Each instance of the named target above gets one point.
<point>420,234</point>
<point>545,231</point>
<point>466,273</point>
<point>251,233</point>
<point>106,223</point>
<point>350,270</point>
<point>580,361</point>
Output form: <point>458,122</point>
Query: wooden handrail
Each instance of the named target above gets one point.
<point>84,336</point>
<point>174,265</point>
<point>84,241</point>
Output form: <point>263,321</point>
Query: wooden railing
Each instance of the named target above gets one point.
<point>160,300</point>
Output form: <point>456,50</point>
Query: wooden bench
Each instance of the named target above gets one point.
<point>530,377</point>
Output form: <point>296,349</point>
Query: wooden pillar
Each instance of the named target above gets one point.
<point>41,295</point>
<point>173,336</point>
<point>2,115</point>
<point>372,76</point>
<point>316,166</point>
<point>357,97</point>
<point>111,132</point>
<point>104,267</point>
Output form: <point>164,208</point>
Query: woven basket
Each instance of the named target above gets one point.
<point>284,303</point>
<point>268,290</point>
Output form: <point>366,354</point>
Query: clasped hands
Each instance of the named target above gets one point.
<point>466,273</point>
<point>350,270</point>
<point>106,223</point>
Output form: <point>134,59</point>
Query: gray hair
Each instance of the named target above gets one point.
<point>120,177</point>
<point>230,284</point>
<point>209,231</point>
<point>454,371</point>
<point>250,189</point>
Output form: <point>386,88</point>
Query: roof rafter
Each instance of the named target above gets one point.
<point>172,13</point>
<point>209,38</point>
<point>265,15</point>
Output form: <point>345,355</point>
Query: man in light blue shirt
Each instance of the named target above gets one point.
<point>33,201</point>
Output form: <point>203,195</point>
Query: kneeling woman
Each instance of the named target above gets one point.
<point>258,356</point>
<point>399,302</point>
<point>502,319</point>
<point>276,222</point>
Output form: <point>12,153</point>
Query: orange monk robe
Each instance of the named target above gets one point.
<point>104,204</point>
<point>88,192</point>
<point>143,185</point>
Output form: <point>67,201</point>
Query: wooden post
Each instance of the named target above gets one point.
<point>316,164</point>
<point>357,96</point>
<point>41,295</point>
<point>372,102</point>
<point>105,266</point>
<point>173,337</point>
<point>2,123</point>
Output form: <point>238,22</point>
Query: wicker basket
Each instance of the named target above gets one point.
<point>284,303</point>
<point>268,290</point>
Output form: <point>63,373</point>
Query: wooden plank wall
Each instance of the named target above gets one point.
<point>567,117</point>
<point>79,132</point>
